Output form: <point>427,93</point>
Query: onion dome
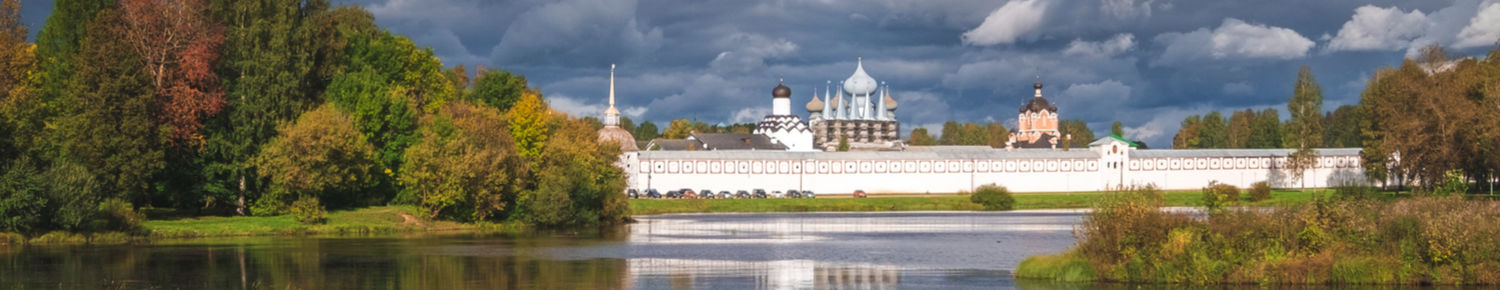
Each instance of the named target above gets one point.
<point>781,91</point>
<point>890,104</point>
<point>815,105</point>
<point>860,83</point>
<point>1038,104</point>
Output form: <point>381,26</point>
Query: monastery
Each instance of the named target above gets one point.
<point>785,153</point>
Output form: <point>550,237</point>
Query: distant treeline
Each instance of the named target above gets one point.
<point>269,107</point>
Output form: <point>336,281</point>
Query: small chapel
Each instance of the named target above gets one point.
<point>1036,126</point>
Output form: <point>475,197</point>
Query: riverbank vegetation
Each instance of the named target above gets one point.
<point>273,108</point>
<point>924,202</point>
<point>1343,238</point>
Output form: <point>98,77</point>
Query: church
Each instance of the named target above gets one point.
<point>858,111</point>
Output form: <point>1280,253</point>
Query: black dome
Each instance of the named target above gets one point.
<point>1037,105</point>
<point>781,91</point>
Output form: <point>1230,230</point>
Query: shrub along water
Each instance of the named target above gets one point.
<point>1422,240</point>
<point>993,197</point>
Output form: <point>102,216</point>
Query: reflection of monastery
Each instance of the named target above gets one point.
<point>792,155</point>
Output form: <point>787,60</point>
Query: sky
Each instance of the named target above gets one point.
<point>1146,63</point>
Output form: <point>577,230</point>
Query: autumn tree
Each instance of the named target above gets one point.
<point>529,121</point>
<point>1238,133</point>
<point>179,45</point>
<point>1305,130</point>
<point>920,137</point>
<point>952,133</point>
<point>996,135</point>
<point>1117,129</point>
<point>466,166</point>
<point>1189,134</point>
<point>678,129</point>
<point>578,183</point>
<point>320,156</point>
<point>19,123</point>
<point>459,76</point>
<point>1075,134</point>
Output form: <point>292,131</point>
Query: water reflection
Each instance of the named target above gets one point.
<point>789,251</point>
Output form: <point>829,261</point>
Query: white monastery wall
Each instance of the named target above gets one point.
<point>1022,170</point>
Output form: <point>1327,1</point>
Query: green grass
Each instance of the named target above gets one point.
<point>926,202</point>
<point>1066,267</point>
<point>384,219</point>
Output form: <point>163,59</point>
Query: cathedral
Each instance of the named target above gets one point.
<point>1036,126</point>
<point>859,109</point>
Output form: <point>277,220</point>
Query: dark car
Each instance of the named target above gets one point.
<point>708,194</point>
<point>758,193</point>
<point>652,193</point>
<point>809,194</point>
<point>742,194</point>
<point>859,193</point>
<point>674,194</point>
<point>793,193</point>
<point>632,193</point>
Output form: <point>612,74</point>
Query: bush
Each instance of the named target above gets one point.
<point>993,197</point>
<point>308,211</point>
<point>1453,183</point>
<point>22,204</point>
<point>1260,191</point>
<point>1065,267</point>
<point>1218,195</point>
<point>1353,191</point>
<point>116,214</point>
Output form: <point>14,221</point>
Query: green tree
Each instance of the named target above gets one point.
<point>647,131</point>
<point>627,124</point>
<point>578,183</point>
<point>465,167</point>
<point>498,88</point>
<point>1076,134</point>
<point>1238,135</point>
<point>59,40</point>
<point>413,73</point>
<point>1117,129</point>
<point>952,134</point>
<point>1214,133</point>
<point>384,118</point>
<point>320,156</point>
<point>1305,130</point>
<point>104,120</point>
<point>23,206</point>
<point>678,129</point>
<point>920,137</point>
<point>843,143</point>
<point>973,134</point>
<point>1265,129</point>
<point>529,121</point>
<point>1342,127</point>
<point>1189,136</point>
<point>19,120</point>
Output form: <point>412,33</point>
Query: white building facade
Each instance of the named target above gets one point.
<point>1107,164</point>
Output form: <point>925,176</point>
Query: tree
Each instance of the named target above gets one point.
<point>19,120</point>
<point>919,137</point>
<point>466,166</point>
<point>1117,129</point>
<point>320,156</point>
<point>995,135</point>
<point>460,78</point>
<point>952,134</point>
<point>647,131</point>
<point>973,134</point>
<point>1342,127</point>
<point>179,45</point>
<point>23,206</point>
<point>104,121</point>
<point>1189,136</point>
<point>413,73</point>
<point>384,117</point>
<point>498,88</point>
<point>679,129</point>
<point>843,143</point>
<point>1214,133</point>
<point>1076,133</point>
<point>1265,130</point>
<point>1238,135</point>
<point>1305,130</point>
<point>529,121</point>
<point>61,38</point>
<point>627,124</point>
<point>578,183</point>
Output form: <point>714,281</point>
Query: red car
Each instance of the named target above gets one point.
<point>689,194</point>
<point>859,193</point>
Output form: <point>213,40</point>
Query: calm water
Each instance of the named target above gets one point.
<point>940,250</point>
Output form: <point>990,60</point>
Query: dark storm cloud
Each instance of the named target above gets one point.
<point>1148,63</point>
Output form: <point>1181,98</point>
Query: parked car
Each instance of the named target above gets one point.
<point>758,193</point>
<point>674,194</point>
<point>686,191</point>
<point>652,193</point>
<point>859,193</point>
<point>777,194</point>
<point>793,193</point>
<point>724,194</point>
<point>689,194</point>
<point>632,193</point>
<point>809,194</point>
<point>742,194</point>
<point>709,194</point>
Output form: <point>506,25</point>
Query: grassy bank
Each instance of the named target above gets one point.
<point>373,220</point>
<point>919,202</point>
<point>1407,241</point>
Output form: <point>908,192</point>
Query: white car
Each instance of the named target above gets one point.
<point>777,194</point>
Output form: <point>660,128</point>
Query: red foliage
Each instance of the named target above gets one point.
<point>180,45</point>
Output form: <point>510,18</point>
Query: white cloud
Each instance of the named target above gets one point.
<point>1014,20</point>
<point>574,31</point>
<point>1127,9</point>
<point>1375,28</point>
<point>749,115</point>
<point>1234,39</point>
<point>1102,49</point>
<point>577,108</point>
<point>1483,29</point>
<point>749,51</point>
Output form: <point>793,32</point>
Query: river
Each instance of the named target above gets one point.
<point>909,250</point>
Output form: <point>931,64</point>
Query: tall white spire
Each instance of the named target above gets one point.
<point>612,115</point>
